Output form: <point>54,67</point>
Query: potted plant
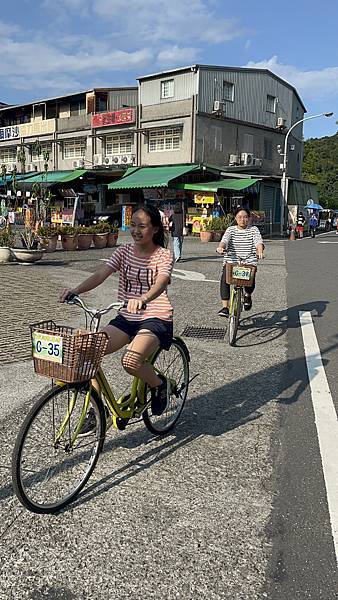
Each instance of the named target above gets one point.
<point>6,241</point>
<point>84,237</point>
<point>113,236</point>
<point>205,233</point>
<point>218,225</point>
<point>48,238</point>
<point>100,237</point>
<point>68,237</point>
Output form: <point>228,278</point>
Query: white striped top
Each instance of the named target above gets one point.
<point>136,277</point>
<point>241,243</point>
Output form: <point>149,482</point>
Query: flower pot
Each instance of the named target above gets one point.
<point>84,241</point>
<point>27,256</point>
<point>100,240</point>
<point>49,243</point>
<point>112,240</point>
<point>217,236</point>
<point>205,236</point>
<point>5,254</point>
<point>69,242</point>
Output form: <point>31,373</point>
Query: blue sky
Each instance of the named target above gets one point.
<point>52,47</point>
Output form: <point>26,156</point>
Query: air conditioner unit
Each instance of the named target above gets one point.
<point>218,106</point>
<point>116,159</point>
<point>281,122</point>
<point>247,158</point>
<point>257,162</point>
<point>97,159</point>
<point>234,159</point>
<point>10,166</point>
<point>131,159</point>
<point>78,164</point>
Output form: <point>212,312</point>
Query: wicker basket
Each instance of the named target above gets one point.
<point>81,352</point>
<point>235,280</point>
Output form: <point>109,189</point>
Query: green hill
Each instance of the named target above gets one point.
<point>321,166</point>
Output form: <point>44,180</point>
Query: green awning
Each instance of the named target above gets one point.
<point>151,177</point>
<point>55,176</point>
<point>214,186</point>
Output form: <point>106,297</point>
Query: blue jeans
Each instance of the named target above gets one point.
<point>177,246</point>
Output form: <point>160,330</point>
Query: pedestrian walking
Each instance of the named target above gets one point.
<point>176,226</point>
<point>313,223</point>
<point>300,225</point>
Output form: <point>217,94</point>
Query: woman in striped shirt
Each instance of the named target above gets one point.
<point>146,322</point>
<point>240,241</point>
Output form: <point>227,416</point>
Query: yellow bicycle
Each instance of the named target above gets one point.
<point>52,459</point>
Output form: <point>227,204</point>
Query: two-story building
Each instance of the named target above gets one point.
<point>91,130</point>
<point>233,118</point>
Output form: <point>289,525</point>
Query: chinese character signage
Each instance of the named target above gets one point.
<point>9,133</point>
<point>118,117</point>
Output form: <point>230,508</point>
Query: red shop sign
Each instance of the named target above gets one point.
<point>118,117</point>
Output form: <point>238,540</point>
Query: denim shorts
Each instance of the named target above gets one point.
<point>162,329</point>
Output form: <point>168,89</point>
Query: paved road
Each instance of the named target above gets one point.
<point>187,516</point>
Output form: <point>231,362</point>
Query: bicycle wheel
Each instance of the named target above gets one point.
<point>174,364</point>
<point>235,313</point>
<point>48,468</point>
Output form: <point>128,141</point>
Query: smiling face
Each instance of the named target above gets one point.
<point>242,219</point>
<point>141,228</point>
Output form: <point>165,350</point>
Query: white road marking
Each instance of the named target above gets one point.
<point>325,419</point>
<point>192,276</point>
<point>328,242</point>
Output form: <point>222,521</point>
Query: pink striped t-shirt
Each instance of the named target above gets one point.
<point>136,277</point>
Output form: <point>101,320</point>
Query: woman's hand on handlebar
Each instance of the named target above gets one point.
<point>65,293</point>
<point>220,250</point>
<point>135,305</point>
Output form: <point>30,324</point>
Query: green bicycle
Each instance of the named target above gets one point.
<point>52,461</point>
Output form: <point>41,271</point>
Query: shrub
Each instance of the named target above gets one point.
<point>219,223</point>
<point>6,238</point>
<point>102,228</point>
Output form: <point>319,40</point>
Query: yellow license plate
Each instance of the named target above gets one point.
<point>47,347</point>
<point>241,273</point>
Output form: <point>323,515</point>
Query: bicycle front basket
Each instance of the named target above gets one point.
<point>65,353</point>
<point>240,275</point>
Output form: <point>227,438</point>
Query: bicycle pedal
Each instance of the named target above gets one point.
<point>121,423</point>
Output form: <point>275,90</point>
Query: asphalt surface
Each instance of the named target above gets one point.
<point>192,515</point>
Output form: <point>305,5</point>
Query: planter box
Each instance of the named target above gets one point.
<point>205,236</point>
<point>49,244</point>
<point>112,240</point>
<point>27,256</point>
<point>5,254</point>
<point>100,240</point>
<point>217,236</point>
<point>84,241</point>
<point>69,242</point>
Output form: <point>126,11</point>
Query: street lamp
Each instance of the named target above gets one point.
<point>284,181</point>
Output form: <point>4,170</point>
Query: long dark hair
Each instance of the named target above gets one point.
<point>154,214</point>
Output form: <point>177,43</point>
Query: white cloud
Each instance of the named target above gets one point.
<point>174,55</point>
<point>312,85</point>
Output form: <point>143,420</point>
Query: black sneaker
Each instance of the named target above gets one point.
<point>89,424</point>
<point>224,312</point>
<point>159,399</point>
<point>247,302</point>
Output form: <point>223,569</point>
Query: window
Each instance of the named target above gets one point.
<point>165,139</point>
<point>77,107</point>
<point>267,149</point>
<point>74,149</point>
<point>46,147</point>
<point>271,103</point>
<point>228,91</point>
<point>8,155</point>
<point>119,144</point>
<point>167,88</point>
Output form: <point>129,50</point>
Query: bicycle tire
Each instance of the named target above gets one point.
<point>39,489</point>
<point>234,316</point>
<point>167,363</point>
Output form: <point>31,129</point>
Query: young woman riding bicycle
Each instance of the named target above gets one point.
<point>240,241</point>
<point>146,322</point>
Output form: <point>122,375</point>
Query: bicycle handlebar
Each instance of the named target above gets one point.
<point>93,312</point>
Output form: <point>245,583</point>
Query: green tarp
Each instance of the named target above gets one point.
<point>151,177</point>
<point>55,176</point>
<point>214,186</point>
